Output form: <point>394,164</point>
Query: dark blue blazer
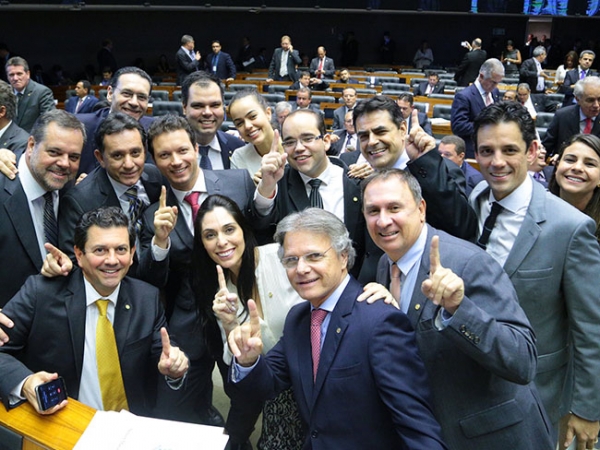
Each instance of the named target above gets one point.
<point>422,87</point>
<point>465,107</point>
<point>228,145</point>
<point>88,104</point>
<point>565,124</point>
<point>572,77</point>
<point>225,65</point>
<point>371,388</point>
<point>472,175</point>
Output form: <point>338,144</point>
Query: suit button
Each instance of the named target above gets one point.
<point>422,172</point>
<point>463,328</point>
<point>314,434</point>
<point>476,339</point>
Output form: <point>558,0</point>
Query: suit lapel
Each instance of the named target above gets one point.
<point>24,102</point>
<point>152,188</point>
<point>106,189</point>
<point>75,306</point>
<point>123,313</point>
<point>297,192</point>
<point>420,308</point>
<point>304,355</point>
<point>181,229</point>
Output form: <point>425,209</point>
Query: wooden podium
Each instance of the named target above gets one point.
<point>59,431</point>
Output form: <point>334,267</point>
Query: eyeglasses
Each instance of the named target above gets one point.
<point>291,262</point>
<point>290,144</point>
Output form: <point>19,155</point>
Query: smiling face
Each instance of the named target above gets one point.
<point>123,156</point>
<point>55,161</point>
<point>309,159</point>
<point>223,239</point>
<point>252,121</point>
<point>130,96</point>
<point>381,141</point>
<point>578,173</point>
<point>106,257</point>
<point>394,219</point>
<point>205,111</point>
<point>503,157</point>
<point>177,159</point>
<point>314,281</point>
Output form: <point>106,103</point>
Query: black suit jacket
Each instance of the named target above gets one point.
<point>565,124</point>
<point>93,192</point>
<point>423,121</point>
<point>571,78</point>
<point>542,103</point>
<point>49,335</point>
<point>468,71</point>
<point>37,99</point>
<point>225,65</point>
<point>528,74</point>
<point>185,65</point>
<point>14,138</point>
<point>292,61</point>
<point>422,87</point>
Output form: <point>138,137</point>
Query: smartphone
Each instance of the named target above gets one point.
<point>51,393</point>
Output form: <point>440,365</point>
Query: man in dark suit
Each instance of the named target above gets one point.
<point>322,66</point>
<point>470,101</point>
<point>33,99</point>
<point>245,60</point>
<point>50,161</point>
<point>459,302</point>
<point>122,180</point>
<point>204,108</point>
<point>303,101</point>
<point>55,320</point>
<point>531,71</point>
<point>304,80</point>
<point>535,103</point>
<point>405,102</point>
<point>550,252</point>
<point>188,61</point>
<point>345,140</point>
<point>128,93</point>
<point>431,86</point>
<point>220,63</point>
<point>349,97</point>
<point>106,58</point>
<point>586,59</point>
<point>344,77</point>
<point>453,148</point>
<point>82,102</point>
<point>12,137</point>
<point>284,62</point>
<point>366,352</point>
<point>469,67</point>
<point>575,119</point>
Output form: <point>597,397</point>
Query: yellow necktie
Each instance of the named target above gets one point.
<point>109,366</point>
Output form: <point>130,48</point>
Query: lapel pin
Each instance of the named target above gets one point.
<point>338,331</point>
<point>127,306</point>
<point>418,306</point>
<point>355,199</point>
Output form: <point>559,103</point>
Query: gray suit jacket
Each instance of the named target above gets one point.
<point>480,366</point>
<point>36,100</point>
<point>553,264</point>
<point>14,138</point>
<point>292,61</point>
<point>328,67</point>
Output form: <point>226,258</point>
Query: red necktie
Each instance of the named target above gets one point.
<point>320,68</point>
<point>192,199</point>
<point>317,316</point>
<point>588,126</point>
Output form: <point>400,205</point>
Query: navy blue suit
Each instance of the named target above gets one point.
<point>87,107</point>
<point>370,391</point>
<point>422,87</point>
<point>465,107</point>
<point>472,175</point>
<point>565,124</point>
<point>572,77</point>
<point>228,145</point>
<point>225,65</point>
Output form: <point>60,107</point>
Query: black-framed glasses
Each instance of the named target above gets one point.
<point>291,262</point>
<point>290,144</point>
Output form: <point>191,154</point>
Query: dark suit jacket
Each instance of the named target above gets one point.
<point>481,366</point>
<point>565,124</point>
<point>350,157</point>
<point>465,107</point>
<point>93,192</point>
<point>542,103</point>
<point>225,65</point>
<point>228,145</point>
<point>322,86</point>
<point>422,87</point>
<point>36,100</point>
<point>423,121</point>
<point>572,77</point>
<point>91,122</point>
<point>88,104</point>
<point>49,335</point>
<point>468,70</point>
<point>337,147</point>
<point>371,389</point>
<point>311,106</point>
<point>472,175</point>
<point>529,74</point>
<point>292,61</point>
<point>14,138</point>
<point>550,264</point>
<point>328,67</point>
<point>185,65</point>
<point>339,115</point>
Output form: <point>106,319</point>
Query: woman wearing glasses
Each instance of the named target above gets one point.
<point>231,269</point>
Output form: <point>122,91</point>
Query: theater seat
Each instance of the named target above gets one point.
<point>442,111</point>
<point>161,108</point>
<point>543,119</point>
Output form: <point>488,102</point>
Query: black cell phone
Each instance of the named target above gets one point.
<point>51,393</point>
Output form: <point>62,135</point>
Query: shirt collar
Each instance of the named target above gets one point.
<point>331,301</point>
<point>325,176</point>
<point>402,161</point>
<point>414,253</point>
<point>199,186</point>
<point>32,188</point>
<point>91,294</point>
<point>121,188</point>
<point>517,199</point>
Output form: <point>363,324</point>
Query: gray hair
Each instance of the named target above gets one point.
<point>8,99</point>
<point>17,61</point>
<point>386,174</point>
<point>491,66</point>
<point>587,52</point>
<point>524,86</point>
<point>318,221</point>
<point>186,38</point>
<point>61,118</point>
<point>282,107</point>
<point>579,89</point>
<point>539,50</point>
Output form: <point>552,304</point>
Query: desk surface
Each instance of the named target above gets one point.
<point>58,431</point>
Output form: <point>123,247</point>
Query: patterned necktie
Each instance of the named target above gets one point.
<point>192,199</point>
<point>50,224</point>
<point>204,159</point>
<point>135,208</point>
<point>588,126</point>
<point>395,282</point>
<point>316,201</point>
<point>488,99</point>
<point>488,225</point>
<point>317,316</point>
<point>109,366</point>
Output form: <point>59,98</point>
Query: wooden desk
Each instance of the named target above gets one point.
<point>59,431</point>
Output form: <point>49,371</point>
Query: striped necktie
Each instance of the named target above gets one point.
<point>50,224</point>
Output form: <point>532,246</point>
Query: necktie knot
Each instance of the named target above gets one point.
<point>192,199</point>
<point>488,225</point>
<point>102,306</point>
<point>316,201</point>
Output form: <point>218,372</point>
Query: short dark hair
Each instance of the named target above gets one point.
<point>304,73</point>
<point>127,70</point>
<point>307,90</point>
<point>457,141</point>
<point>407,97</point>
<point>61,118</point>
<point>8,99</point>
<point>248,93</point>
<point>317,116</point>
<point>386,174</point>
<point>199,78</point>
<point>503,112</point>
<point>379,103</point>
<point>86,85</point>
<point>168,124</point>
<point>104,217</point>
<point>432,74</point>
<point>116,123</point>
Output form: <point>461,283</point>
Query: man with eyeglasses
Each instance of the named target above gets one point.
<point>333,344</point>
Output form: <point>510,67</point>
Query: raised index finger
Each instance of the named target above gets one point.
<point>434,255</point>
<point>414,120</point>
<point>275,143</point>
<point>254,318</point>
<point>162,201</point>
<point>166,342</point>
<point>221,278</point>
